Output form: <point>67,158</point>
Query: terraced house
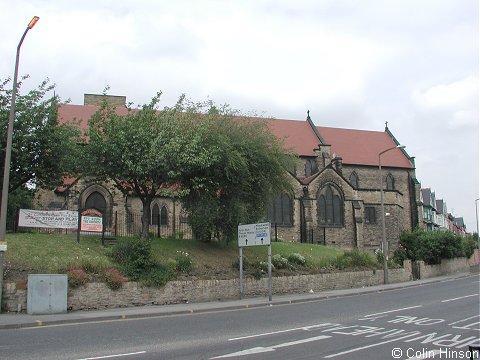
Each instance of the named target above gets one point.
<point>336,185</point>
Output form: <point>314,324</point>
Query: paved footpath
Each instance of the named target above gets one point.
<point>22,320</point>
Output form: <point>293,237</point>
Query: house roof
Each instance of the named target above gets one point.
<point>361,147</point>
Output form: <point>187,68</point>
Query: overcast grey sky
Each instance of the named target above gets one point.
<point>353,64</point>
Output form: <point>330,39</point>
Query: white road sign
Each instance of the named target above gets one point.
<point>254,234</point>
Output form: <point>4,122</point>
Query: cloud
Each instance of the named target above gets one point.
<point>457,101</point>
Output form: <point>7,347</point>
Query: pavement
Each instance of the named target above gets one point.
<point>23,320</point>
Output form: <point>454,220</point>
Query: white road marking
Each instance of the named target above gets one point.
<point>371,345</point>
<point>391,311</point>
<point>305,328</point>
<point>114,356</point>
<point>459,321</point>
<point>459,298</point>
<point>258,350</point>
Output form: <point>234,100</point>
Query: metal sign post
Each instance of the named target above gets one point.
<point>255,235</point>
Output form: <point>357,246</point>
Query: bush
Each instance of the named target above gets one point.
<point>279,261</point>
<point>296,259</point>
<point>133,256</point>
<point>400,255</point>
<point>158,276</point>
<point>432,246</point>
<point>469,244</point>
<point>184,262</point>
<point>355,259</point>
<point>76,278</point>
<point>114,279</point>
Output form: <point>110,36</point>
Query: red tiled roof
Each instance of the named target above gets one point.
<point>361,147</point>
<point>296,135</point>
<point>68,113</point>
<point>356,147</point>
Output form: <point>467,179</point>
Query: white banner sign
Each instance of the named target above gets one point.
<point>55,219</point>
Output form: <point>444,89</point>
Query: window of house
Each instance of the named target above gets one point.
<point>330,206</point>
<point>354,180</point>
<point>280,210</point>
<point>370,215</point>
<point>311,167</point>
<point>390,182</point>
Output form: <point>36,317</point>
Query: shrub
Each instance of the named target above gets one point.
<point>133,256</point>
<point>279,261</point>
<point>171,264</point>
<point>114,279</point>
<point>76,277</point>
<point>355,259</point>
<point>184,262</point>
<point>399,255</point>
<point>94,265</point>
<point>296,259</point>
<point>432,246</point>
<point>245,263</point>
<point>469,244</point>
<point>158,276</point>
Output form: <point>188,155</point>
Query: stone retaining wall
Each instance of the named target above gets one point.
<point>99,296</point>
<point>447,266</point>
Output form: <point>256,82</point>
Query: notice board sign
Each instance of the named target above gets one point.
<point>91,220</point>
<point>254,234</point>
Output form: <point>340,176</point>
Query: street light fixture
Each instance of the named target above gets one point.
<point>8,154</point>
<point>476,217</point>
<point>384,237</point>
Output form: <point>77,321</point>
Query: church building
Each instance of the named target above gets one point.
<point>336,198</point>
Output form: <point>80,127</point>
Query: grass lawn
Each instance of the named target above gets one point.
<point>54,253</point>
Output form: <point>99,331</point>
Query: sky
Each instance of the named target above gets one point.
<point>353,64</point>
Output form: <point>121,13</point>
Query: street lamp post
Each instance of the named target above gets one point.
<point>384,236</point>
<point>476,217</point>
<point>8,154</point>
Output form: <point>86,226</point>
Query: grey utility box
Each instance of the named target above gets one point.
<point>47,294</point>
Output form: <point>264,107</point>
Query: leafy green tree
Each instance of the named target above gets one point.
<point>224,171</point>
<point>248,166</point>
<point>42,149</point>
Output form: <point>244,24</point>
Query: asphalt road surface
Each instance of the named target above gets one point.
<point>432,321</point>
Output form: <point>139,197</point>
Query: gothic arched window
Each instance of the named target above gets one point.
<point>155,214</point>
<point>164,216</point>
<point>390,182</point>
<point>280,210</point>
<point>311,167</point>
<point>330,206</point>
<point>354,180</point>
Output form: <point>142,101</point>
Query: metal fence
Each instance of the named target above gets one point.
<point>122,224</point>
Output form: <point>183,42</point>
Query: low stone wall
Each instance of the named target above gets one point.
<point>99,296</point>
<point>447,266</point>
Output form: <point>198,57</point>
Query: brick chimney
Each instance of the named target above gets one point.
<point>97,99</point>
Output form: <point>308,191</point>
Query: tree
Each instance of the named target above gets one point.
<point>248,168</point>
<point>42,150</point>
<point>194,151</point>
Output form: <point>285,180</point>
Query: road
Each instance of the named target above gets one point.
<point>437,320</point>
